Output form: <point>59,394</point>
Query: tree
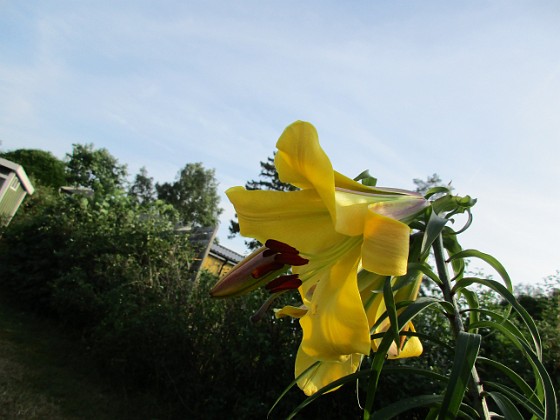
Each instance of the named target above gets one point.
<point>94,168</point>
<point>142,189</point>
<point>431,181</point>
<point>194,195</point>
<point>41,166</point>
<point>269,180</point>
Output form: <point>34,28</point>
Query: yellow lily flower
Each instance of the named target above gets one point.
<point>338,225</point>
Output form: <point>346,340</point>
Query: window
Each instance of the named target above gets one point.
<point>15,184</point>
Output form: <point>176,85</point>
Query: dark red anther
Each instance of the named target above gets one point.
<point>290,259</point>
<point>277,255</point>
<point>280,247</point>
<point>267,267</point>
<point>286,282</point>
<point>269,252</point>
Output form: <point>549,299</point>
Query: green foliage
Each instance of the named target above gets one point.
<point>118,275</point>
<point>543,306</point>
<point>112,269</point>
<point>94,168</point>
<point>194,195</point>
<point>142,190</point>
<point>42,167</point>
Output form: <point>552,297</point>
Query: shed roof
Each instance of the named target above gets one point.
<point>225,253</point>
<point>20,172</point>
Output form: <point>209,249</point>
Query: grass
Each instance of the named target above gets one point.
<point>46,374</point>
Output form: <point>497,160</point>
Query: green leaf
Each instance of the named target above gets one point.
<point>433,229</point>
<point>508,409</point>
<point>520,398</point>
<point>339,382</point>
<point>550,400</point>
<point>465,226</point>
<point>436,190</point>
<point>370,281</point>
<point>511,374</point>
<point>362,374</point>
<point>291,385</point>
<point>376,367</point>
<point>500,319</point>
<point>366,179</point>
<point>466,352</point>
<point>508,296</point>
<point>472,301</point>
<point>419,305</point>
<point>406,404</point>
<point>409,370</point>
<point>544,386</point>
<point>427,337</point>
<point>391,310</point>
<point>426,270</point>
<point>451,244</point>
<point>489,259</point>
<point>505,330</point>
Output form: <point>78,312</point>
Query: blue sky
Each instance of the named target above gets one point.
<point>467,89</point>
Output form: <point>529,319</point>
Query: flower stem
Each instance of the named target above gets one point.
<point>477,392</point>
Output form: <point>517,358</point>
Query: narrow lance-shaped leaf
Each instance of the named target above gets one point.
<point>466,352</point>
<point>376,366</point>
<point>434,227</point>
<point>511,374</point>
<point>391,311</point>
<point>516,397</point>
<point>506,406</point>
<point>550,401</point>
<point>508,296</point>
<point>472,300</point>
<point>489,259</point>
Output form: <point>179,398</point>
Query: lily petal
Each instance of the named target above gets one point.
<point>343,182</point>
<point>336,325</point>
<point>298,218</point>
<point>402,209</point>
<point>324,373</point>
<point>409,347</point>
<point>385,245</point>
<point>301,161</point>
<point>412,347</point>
<point>351,210</point>
<point>292,311</point>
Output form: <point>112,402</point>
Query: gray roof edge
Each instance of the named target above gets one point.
<point>20,172</point>
<point>226,253</point>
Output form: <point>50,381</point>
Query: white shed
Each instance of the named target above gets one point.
<point>14,186</point>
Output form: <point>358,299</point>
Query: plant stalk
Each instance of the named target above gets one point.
<point>477,392</point>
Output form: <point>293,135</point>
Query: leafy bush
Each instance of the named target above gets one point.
<point>113,269</point>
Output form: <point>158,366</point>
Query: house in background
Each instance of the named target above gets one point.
<point>14,186</point>
<point>209,255</point>
<point>220,260</point>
